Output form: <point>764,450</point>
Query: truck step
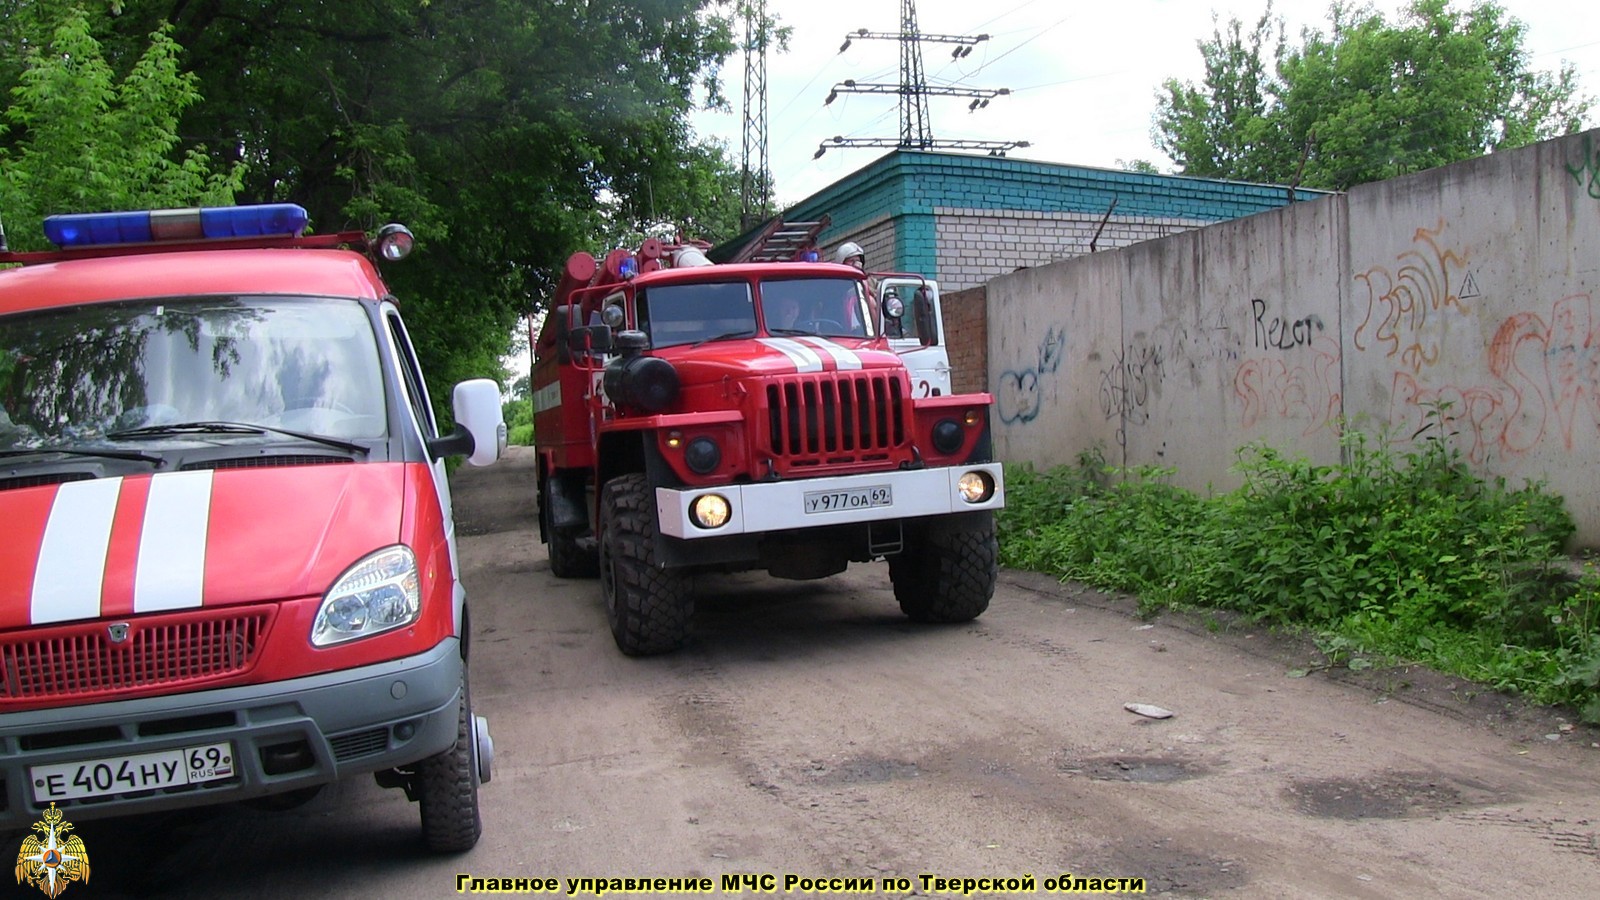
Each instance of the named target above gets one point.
<point>885,538</point>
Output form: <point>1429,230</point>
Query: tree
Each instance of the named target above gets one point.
<point>78,139</point>
<point>1221,130</point>
<point>505,133</point>
<point>1368,100</point>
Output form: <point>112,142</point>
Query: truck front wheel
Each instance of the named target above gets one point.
<point>948,569</point>
<point>569,557</point>
<point>648,607</point>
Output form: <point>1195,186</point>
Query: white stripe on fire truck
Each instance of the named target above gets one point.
<point>547,397</point>
<point>843,357</point>
<point>72,557</point>
<point>172,543</point>
<point>804,358</point>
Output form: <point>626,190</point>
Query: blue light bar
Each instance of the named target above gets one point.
<point>148,226</point>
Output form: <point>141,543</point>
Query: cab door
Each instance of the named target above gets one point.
<point>419,416</point>
<point>927,361</point>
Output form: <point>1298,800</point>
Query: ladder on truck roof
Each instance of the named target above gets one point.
<point>780,241</point>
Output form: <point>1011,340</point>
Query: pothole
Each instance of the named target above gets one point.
<point>1386,797</point>
<point>862,770</point>
<point>1141,769</point>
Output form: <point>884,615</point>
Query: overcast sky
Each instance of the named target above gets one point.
<point>1082,76</point>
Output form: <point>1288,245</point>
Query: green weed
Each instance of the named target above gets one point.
<point>1389,555</point>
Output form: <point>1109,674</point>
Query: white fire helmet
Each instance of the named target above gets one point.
<point>850,250</point>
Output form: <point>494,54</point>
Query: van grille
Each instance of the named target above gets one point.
<point>836,418</point>
<point>82,661</point>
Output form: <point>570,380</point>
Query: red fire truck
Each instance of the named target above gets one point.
<point>694,417</point>
<point>227,558</point>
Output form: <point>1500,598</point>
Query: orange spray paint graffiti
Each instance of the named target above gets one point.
<point>1269,387</point>
<point>1546,373</point>
<point>1399,302</point>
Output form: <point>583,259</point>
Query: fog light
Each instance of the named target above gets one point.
<point>710,511</point>
<point>702,456</point>
<point>975,487</point>
<point>947,436</point>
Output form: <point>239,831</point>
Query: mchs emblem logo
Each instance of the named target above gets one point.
<point>52,859</point>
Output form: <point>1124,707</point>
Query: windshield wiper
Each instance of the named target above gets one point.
<point>82,451</point>
<point>230,428</point>
<point>741,333</point>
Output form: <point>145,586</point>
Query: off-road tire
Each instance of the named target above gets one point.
<point>648,607</point>
<point>567,559</point>
<point>947,572</point>
<point>447,787</point>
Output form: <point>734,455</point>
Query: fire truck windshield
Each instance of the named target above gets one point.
<point>75,374</point>
<point>689,313</point>
<point>834,307</point>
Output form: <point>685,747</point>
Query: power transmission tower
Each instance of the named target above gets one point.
<point>915,130</point>
<point>755,180</point>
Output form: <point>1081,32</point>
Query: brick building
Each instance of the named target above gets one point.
<point>963,220</point>
<point>966,219</point>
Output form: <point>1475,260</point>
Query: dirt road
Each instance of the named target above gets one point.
<point>810,730</point>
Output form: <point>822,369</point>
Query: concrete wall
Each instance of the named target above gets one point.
<point>1472,285</point>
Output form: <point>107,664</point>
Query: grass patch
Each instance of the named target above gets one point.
<point>1386,555</point>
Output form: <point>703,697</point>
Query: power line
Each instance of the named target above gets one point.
<point>916,130</point>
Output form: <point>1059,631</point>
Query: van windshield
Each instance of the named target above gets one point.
<point>75,374</point>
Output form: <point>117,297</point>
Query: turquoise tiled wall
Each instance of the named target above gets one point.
<point>906,186</point>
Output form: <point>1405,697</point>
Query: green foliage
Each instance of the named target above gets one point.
<point>518,414</point>
<point>506,134</point>
<point>78,139</point>
<point>1388,554</point>
<point>1368,100</point>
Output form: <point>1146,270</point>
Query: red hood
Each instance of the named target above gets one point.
<point>777,356</point>
<point>122,546</point>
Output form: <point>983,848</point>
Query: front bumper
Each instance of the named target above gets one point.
<point>286,735</point>
<point>782,506</point>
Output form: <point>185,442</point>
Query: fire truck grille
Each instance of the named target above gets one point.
<point>836,417</point>
<point>85,659</point>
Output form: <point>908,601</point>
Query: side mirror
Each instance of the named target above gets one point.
<point>590,339</point>
<point>480,433</point>
<point>563,322</point>
<point>923,313</point>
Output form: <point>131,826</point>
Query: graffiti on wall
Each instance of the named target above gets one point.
<point>1021,396</point>
<point>1546,385</point>
<point>1401,301</point>
<point>1587,171</point>
<point>1305,388</point>
<point>1126,385</point>
<point>1278,333</point>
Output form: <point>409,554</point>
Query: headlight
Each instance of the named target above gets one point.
<point>702,456</point>
<point>975,487</point>
<point>710,511</point>
<point>647,383</point>
<point>377,594</point>
<point>948,436</point>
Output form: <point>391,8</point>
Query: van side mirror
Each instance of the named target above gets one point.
<point>923,314</point>
<point>480,432</point>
